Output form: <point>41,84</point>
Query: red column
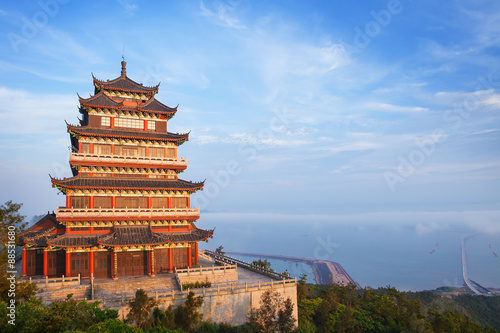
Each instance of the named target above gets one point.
<point>25,258</point>
<point>91,259</point>
<point>152,262</point>
<point>91,201</point>
<point>68,263</point>
<point>68,201</point>
<point>91,230</point>
<point>113,202</point>
<point>80,147</point>
<point>112,122</point>
<point>149,262</point>
<point>188,202</point>
<point>195,253</point>
<point>112,149</point>
<point>115,265</point>
<point>169,202</point>
<point>170,261</point>
<point>45,263</point>
<point>150,201</point>
<point>145,125</point>
<point>91,147</point>
<point>189,256</point>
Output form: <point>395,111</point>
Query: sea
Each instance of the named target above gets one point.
<point>418,252</point>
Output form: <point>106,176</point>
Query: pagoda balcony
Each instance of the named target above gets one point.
<point>127,161</point>
<point>121,214</point>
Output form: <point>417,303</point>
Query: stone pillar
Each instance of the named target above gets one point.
<point>25,258</point>
<point>170,261</point>
<point>68,263</point>
<point>45,263</point>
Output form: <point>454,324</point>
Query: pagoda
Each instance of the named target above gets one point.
<point>127,212</point>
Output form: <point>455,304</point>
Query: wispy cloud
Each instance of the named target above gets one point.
<point>26,113</point>
<point>223,13</point>
<point>393,108</point>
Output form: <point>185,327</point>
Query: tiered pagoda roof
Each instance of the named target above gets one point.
<point>126,183</point>
<point>124,83</point>
<point>136,235</point>
<point>103,101</point>
<point>124,133</point>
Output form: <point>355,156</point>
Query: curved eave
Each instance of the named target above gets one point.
<point>60,186</point>
<point>88,102</point>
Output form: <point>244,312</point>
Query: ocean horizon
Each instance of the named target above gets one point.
<point>407,255</point>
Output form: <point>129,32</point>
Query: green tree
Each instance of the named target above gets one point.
<point>11,225</point>
<point>187,316</point>
<point>220,251</point>
<point>140,308</point>
<point>159,318</point>
<point>112,326</point>
<point>262,263</point>
<point>273,315</point>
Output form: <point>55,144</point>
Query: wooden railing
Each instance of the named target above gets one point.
<point>225,260</point>
<point>63,212</point>
<point>75,157</point>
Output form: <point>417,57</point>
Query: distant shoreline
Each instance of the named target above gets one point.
<point>325,271</point>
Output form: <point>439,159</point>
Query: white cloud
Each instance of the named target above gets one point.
<point>485,131</point>
<point>222,14</point>
<point>128,5</point>
<point>392,107</point>
<point>27,113</point>
<point>355,146</point>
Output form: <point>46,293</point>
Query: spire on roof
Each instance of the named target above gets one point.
<point>124,65</point>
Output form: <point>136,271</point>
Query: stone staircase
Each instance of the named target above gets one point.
<point>78,292</point>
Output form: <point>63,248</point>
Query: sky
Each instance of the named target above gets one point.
<point>312,108</point>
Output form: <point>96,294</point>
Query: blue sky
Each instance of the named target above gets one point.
<point>329,108</point>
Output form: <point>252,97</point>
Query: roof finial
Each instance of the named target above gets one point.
<point>124,64</point>
<point>124,69</point>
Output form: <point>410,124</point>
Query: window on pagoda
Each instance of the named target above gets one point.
<point>179,202</point>
<point>85,148</point>
<point>171,152</point>
<point>130,151</point>
<point>102,202</point>
<point>106,121</point>
<point>80,202</point>
<point>102,149</point>
<point>161,202</point>
<point>151,125</point>
<point>129,123</point>
<point>156,152</point>
<point>131,202</point>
